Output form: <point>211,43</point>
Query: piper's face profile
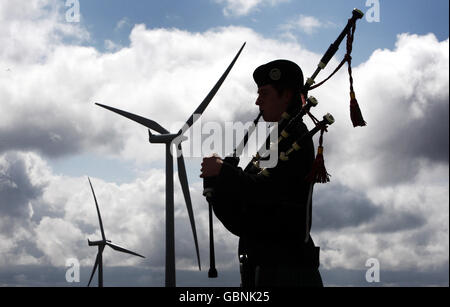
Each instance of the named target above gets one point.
<point>271,104</point>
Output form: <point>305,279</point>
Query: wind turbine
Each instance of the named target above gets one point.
<point>101,246</point>
<point>165,137</point>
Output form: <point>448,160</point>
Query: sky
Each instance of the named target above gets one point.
<point>388,198</point>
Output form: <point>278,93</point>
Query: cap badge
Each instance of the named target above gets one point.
<point>275,74</point>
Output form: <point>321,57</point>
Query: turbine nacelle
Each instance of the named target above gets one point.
<point>98,243</point>
<point>165,138</point>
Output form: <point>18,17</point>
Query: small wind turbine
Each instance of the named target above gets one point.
<point>168,139</point>
<point>101,246</point>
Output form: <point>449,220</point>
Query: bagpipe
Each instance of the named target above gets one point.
<point>290,120</point>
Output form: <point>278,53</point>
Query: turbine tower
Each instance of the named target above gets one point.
<point>167,138</point>
<point>101,246</point>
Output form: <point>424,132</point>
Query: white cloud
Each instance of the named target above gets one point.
<point>59,240</point>
<point>30,29</point>
<point>306,24</point>
<point>244,7</point>
<point>64,217</point>
<point>112,46</point>
<point>144,78</point>
<point>409,232</point>
<point>124,22</point>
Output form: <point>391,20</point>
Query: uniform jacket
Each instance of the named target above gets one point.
<point>271,215</point>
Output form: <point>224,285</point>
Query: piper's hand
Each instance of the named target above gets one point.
<point>211,166</point>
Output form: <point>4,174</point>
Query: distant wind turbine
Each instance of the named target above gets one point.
<point>168,139</point>
<point>101,246</point>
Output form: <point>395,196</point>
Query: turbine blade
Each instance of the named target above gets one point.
<point>139,119</point>
<point>185,187</point>
<point>123,250</point>
<point>95,268</point>
<point>98,211</point>
<point>211,94</point>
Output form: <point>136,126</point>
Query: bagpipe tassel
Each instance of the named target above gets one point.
<point>318,172</point>
<point>355,112</point>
